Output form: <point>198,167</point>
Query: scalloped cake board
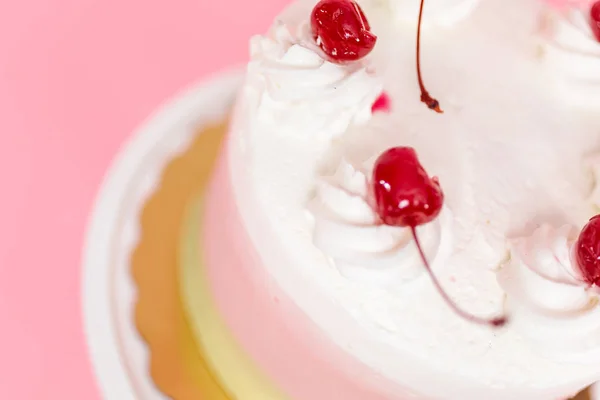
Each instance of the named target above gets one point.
<point>118,353</point>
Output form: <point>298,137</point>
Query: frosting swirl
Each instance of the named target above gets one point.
<point>299,91</point>
<point>572,50</point>
<point>550,303</point>
<point>348,230</point>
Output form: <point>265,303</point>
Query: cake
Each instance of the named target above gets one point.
<point>405,206</point>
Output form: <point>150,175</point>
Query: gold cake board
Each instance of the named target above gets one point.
<point>176,362</point>
<point>177,365</point>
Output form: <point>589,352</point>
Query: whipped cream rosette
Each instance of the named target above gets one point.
<point>297,90</point>
<point>549,297</point>
<point>572,51</point>
<point>349,231</point>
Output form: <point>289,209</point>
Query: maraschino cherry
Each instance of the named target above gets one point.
<point>595,19</point>
<point>405,196</point>
<point>382,103</point>
<point>587,252</point>
<point>341,30</point>
<point>432,103</point>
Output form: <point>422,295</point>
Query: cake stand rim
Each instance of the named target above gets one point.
<point>98,283</point>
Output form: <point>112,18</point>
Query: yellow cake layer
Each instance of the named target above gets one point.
<point>230,364</point>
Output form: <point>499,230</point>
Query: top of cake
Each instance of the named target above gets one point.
<point>336,160</point>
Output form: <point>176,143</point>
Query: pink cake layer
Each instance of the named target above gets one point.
<point>280,337</point>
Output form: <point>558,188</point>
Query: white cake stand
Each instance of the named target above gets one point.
<point>118,354</point>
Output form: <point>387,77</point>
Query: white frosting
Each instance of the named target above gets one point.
<point>593,165</point>
<point>549,301</point>
<point>502,163</point>
<point>444,13</point>
<point>348,230</point>
<point>594,392</point>
<point>299,92</point>
<point>572,51</point>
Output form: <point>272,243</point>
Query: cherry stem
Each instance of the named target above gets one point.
<point>432,103</point>
<point>495,322</point>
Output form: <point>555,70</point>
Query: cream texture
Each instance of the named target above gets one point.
<point>592,166</point>
<point>301,93</point>
<point>508,156</point>
<point>572,51</point>
<point>548,299</point>
<point>440,13</point>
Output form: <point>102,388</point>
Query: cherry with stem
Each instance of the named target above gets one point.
<point>405,196</point>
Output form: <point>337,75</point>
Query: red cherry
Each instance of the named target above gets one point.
<point>587,251</point>
<point>382,103</point>
<point>405,196</point>
<point>342,31</point>
<point>595,19</point>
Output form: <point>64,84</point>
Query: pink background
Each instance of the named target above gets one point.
<point>76,77</point>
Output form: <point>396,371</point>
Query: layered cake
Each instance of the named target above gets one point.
<point>405,206</point>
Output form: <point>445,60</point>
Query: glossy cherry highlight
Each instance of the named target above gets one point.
<point>341,30</point>
<point>595,19</point>
<point>405,196</point>
<point>587,252</point>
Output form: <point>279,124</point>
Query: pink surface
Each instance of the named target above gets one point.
<point>283,341</point>
<point>76,77</point>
